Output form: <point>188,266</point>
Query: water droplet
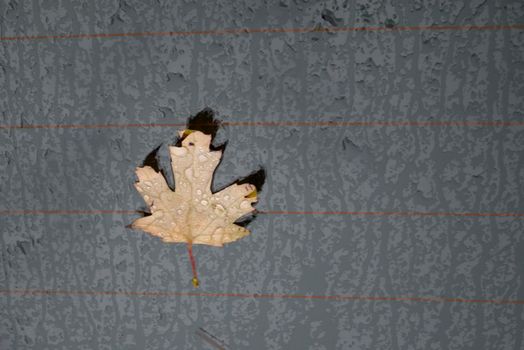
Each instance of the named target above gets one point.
<point>226,197</point>
<point>179,151</point>
<point>204,202</point>
<point>245,205</point>
<point>146,198</point>
<point>199,192</point>
<point>179,211</point>
<point>148,183</point>
<point>220,210</point>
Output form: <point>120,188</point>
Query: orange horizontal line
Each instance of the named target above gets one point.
<point>276,123</point>
<point>65,212</point>
<point>392,213</point>
<point>273,212</point>
<point>381,123</point>
<point>91,126</point>
<point>33,292</point>
<point>262,30</point>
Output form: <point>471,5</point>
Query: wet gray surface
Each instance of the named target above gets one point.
<point>410,75</point>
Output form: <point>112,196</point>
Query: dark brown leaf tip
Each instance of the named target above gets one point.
<point>205,122</point>
<point>257,178</point>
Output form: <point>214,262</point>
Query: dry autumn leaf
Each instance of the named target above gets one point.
<point>193,214</point>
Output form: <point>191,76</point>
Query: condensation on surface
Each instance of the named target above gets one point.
<point>407,75</point>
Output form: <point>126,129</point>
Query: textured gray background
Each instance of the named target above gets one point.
<point>454,75</point>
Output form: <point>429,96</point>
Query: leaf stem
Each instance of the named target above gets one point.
<point>193,264</point>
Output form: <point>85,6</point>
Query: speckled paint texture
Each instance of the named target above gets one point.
<point>407,75</point>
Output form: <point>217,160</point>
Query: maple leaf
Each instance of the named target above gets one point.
<point>193,214</point>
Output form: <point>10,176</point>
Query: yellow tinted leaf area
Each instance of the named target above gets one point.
<point>192,214</point>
